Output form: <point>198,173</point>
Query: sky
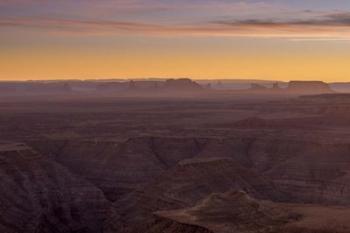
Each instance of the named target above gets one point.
<point>200,39</point>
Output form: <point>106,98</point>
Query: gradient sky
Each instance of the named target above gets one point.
<point>260,39</point>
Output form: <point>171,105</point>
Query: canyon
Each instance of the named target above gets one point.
<point>212,162</point>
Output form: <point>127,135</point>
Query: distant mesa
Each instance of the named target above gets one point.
<point>276,86</point>
<point>257,87</point>
<point>150,86</point>
<point>313,87</point>
<point>168,86</point>
<point>182,84</point>
<point>36,87</point>
<point>294,87</point>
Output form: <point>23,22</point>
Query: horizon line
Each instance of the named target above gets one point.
<point>164,79</point>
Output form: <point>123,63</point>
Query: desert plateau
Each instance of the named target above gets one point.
<point>183,159</point>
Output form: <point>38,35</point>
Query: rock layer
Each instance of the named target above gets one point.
<point>41,196</point>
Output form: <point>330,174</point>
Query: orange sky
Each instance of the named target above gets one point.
<point>280,40</point>
<point>276,59</point>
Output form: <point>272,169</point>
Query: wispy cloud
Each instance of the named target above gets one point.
<point>164,17</point>
<point>335,25</point>
<point>78,26</point>
<point>330,19</point>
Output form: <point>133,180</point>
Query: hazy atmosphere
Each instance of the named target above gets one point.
<point>198,116</point>
<point>270,39</point>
